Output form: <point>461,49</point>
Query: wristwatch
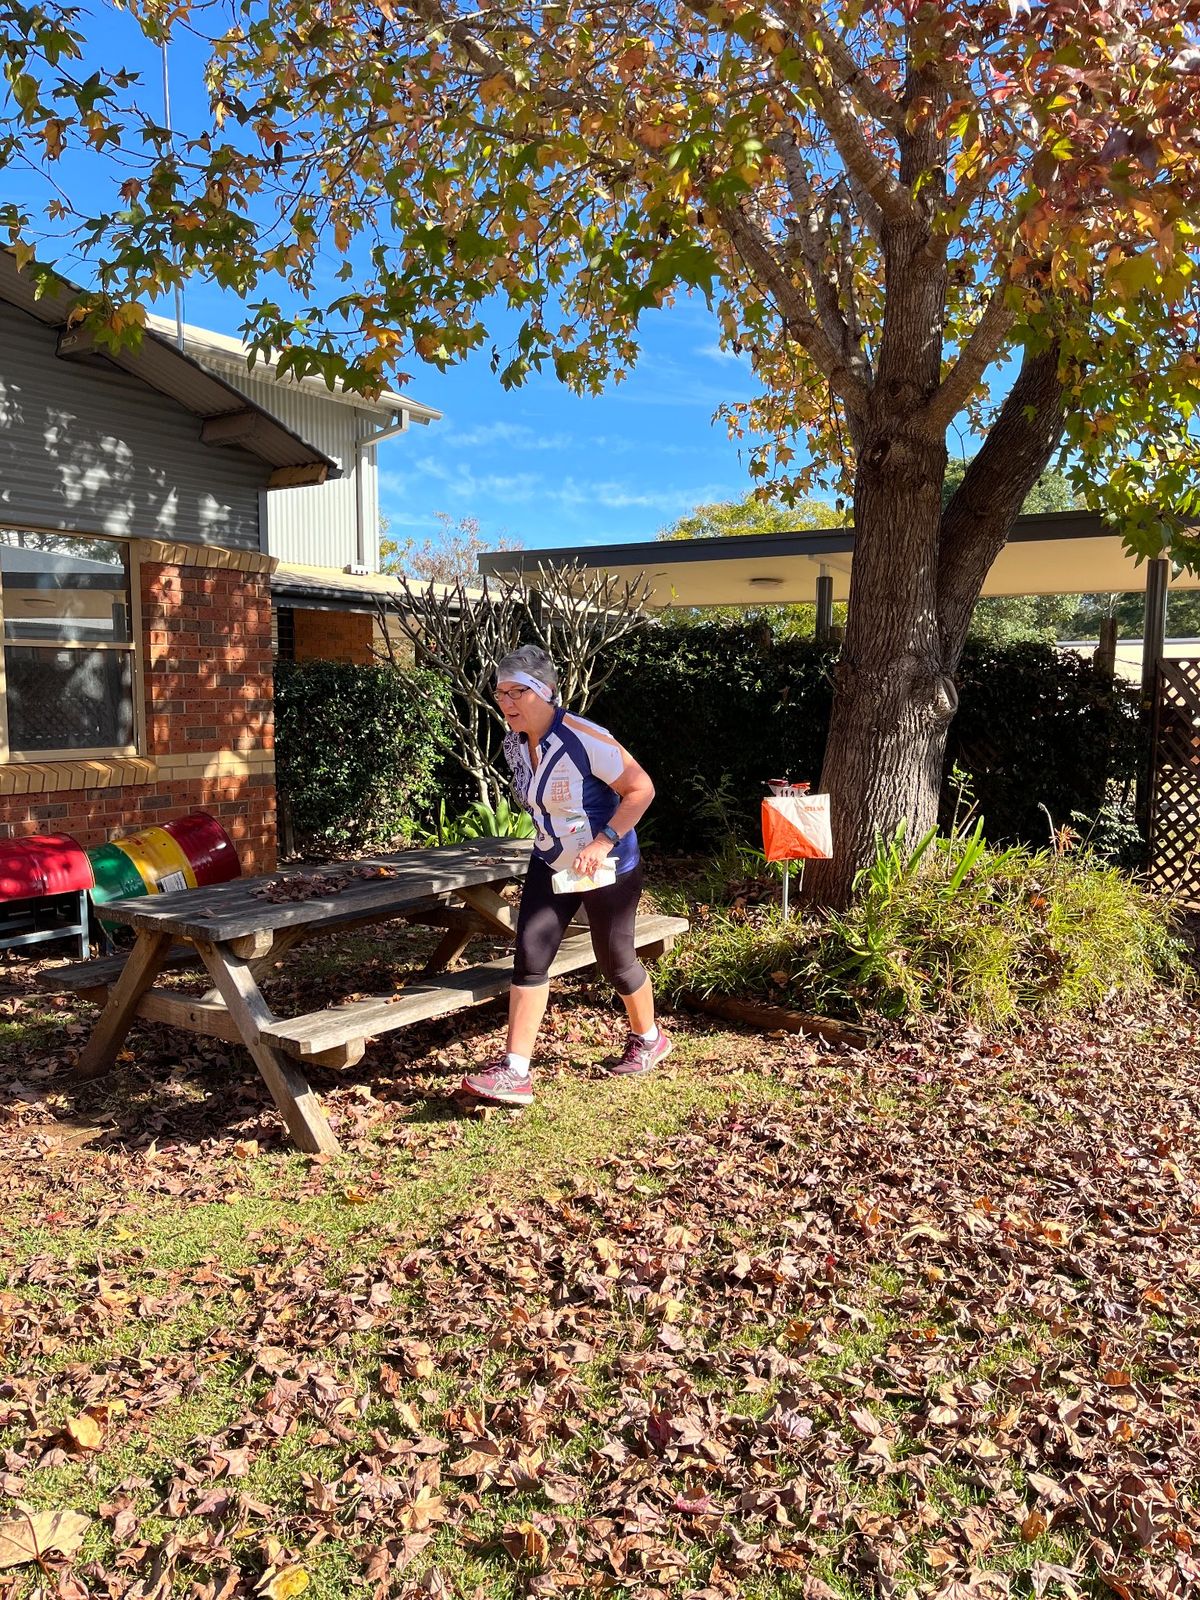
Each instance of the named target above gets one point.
<point>611,834</point>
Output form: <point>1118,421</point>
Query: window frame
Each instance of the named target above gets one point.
<point>132,564</point>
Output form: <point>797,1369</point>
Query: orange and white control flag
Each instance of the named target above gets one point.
<point>796,828</point>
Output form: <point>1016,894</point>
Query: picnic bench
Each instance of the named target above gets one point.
<point>235,932</point>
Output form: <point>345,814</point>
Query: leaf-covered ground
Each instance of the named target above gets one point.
<point>774,1322</point>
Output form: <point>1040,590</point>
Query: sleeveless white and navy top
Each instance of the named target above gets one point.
<point>570,796</point>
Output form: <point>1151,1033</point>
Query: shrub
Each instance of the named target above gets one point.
<point>1038,726</point>
<point>480,821</point>
<point>357,750</point>
<point>952,927</point>
<point>714,709</point>
<point>971,931</point>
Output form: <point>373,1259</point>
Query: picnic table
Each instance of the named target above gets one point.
<point>235,932</point>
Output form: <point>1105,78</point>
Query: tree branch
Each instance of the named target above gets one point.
<point>576,615</point>
<point>759,256</point>
<point>876,102</point>
<point>813,232</point>
<point>978,521</point>
<point>894,201</point>
<point>974,358</point>
<point>833,105</point>
<point>849,300</point>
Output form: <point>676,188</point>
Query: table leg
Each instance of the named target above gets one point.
<point>298,1105</point>
<point>137,975</point>
<point>448,948</point>
<point>486,903</point>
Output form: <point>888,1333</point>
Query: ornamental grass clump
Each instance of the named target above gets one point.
<point>964,929</point>
<point>952,927</point>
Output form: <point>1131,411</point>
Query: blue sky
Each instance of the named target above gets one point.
<point>546,467</point>
<point>538,465</point>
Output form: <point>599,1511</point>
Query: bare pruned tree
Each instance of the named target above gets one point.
<point>463,629</point>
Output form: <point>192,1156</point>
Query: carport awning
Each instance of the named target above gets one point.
<point>1063,552</point>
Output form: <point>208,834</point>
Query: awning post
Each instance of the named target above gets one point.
<point>1154,632</point>
<point>1105,659</point>
<point>1154,635</point>
<point>824,624</point>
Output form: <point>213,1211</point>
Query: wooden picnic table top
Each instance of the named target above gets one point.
<point>232,910</point>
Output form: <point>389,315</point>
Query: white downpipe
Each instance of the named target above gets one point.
<point>369,441</point>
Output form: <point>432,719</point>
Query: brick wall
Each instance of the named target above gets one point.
<point>209,734</point>
<point>334,636</point>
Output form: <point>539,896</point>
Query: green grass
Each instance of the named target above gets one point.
<point>372,1198</point>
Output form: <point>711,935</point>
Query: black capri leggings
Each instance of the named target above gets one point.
<point>543,920</point>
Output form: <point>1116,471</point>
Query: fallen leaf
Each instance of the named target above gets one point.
<point>526,1543</point>
<point>285,1583</point>
<point>36,1533</point>
<point>1033,1526</point>
<point>85,1432</point>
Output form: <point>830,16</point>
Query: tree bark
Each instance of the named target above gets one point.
<point>977,522</point>
<point>917,575</point>
<point>892,698</point>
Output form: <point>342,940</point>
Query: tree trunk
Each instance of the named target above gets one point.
<point>916,577</point>
<point>892,699</point>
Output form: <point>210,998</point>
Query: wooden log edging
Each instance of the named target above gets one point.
<point>777,1019</point>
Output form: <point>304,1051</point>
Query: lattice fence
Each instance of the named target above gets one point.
<point>1175,800</point>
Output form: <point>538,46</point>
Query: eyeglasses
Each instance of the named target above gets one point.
<point>511,694</point>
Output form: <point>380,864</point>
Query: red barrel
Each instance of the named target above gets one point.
<point>208,848</point>
<point>44,863</point>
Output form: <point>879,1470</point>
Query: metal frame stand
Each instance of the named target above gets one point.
<point>41,919</point>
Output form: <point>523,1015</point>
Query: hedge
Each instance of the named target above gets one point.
<point>357,750</point>
<point>714,709</point>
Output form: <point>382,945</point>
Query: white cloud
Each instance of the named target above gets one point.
<point>716,352</point>
<point>569,493</point>
<point>403,519</point>
<point>512,435</point>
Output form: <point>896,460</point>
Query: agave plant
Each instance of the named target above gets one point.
<point>481,821</point>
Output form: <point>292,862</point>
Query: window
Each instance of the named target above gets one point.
<point>285,638</point>
<point>68,678</point>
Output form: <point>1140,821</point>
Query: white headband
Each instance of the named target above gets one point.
<point>543,690</point>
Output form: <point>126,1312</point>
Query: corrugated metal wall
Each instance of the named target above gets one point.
<point>93,450</point>
<point>316,526</point>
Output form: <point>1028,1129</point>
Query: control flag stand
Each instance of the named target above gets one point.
<point>795,827</point>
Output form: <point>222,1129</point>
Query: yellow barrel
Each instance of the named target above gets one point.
<point>159,859</point>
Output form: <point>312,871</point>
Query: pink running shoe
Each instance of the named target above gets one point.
<point>497,1081</point>
<point>639,1057</point>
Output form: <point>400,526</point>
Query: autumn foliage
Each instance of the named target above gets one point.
<point>910,217</point>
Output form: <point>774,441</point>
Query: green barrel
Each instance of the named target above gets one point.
<point>116,876</point>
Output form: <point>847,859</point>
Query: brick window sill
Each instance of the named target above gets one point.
<point>96,772</point>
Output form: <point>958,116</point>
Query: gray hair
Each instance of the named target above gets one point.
<point>530,658</point>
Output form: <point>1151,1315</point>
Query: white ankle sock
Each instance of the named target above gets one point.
<point>649,1038</point>
<point>518,1064</point>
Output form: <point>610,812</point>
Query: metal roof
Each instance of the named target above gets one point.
<point>1059,552</point>
<point>326,589</point>
<point>225,350</point>
<point>228,416</point>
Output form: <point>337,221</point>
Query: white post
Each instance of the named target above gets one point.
<point>786,875</point>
